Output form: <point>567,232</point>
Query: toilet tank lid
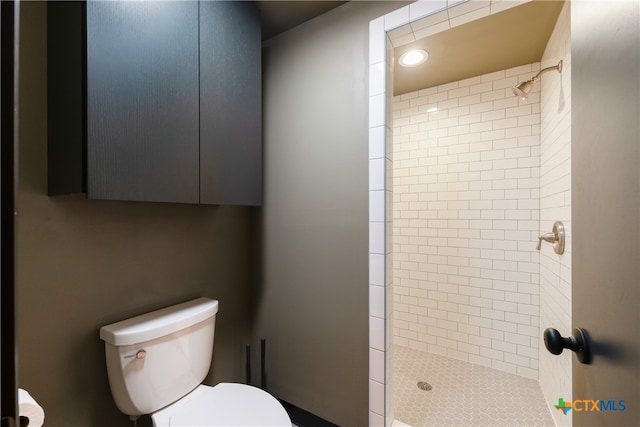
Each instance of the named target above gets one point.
<point>159,323</point>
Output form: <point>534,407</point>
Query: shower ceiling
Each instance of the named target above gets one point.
<point>507,39</point>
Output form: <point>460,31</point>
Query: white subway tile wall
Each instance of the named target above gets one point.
<point>388,225</point>
<point>555,204</point>
<point>380,283</point>
<point>466,196</point>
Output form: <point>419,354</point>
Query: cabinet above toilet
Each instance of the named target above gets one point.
<point>155,101</point>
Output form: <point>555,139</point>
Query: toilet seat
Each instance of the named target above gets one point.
<point>226,404</point>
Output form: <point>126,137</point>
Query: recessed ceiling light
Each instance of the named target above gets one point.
<point>412,58</point>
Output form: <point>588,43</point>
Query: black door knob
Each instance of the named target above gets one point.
<point>578,343</point>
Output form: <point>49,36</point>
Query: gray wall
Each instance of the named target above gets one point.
<point>312,304</point>
<point>83,264</point>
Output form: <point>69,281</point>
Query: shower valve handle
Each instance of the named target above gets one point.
<point>549,237</point>
<point>556,238</point>
<point>578,343</point>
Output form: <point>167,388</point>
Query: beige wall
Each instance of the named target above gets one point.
<point>313,303</point>
<point>83,264</point>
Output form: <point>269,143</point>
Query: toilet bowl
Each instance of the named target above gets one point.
<point>157,361</point>
<point>226,404</point>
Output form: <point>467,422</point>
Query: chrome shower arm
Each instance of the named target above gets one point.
<point>544,70</point>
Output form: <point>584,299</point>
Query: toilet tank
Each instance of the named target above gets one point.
<point>156,358</point>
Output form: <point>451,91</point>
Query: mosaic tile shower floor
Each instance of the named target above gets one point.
<point>463,394</point>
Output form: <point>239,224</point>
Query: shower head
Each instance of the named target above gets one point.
<point>522,89</point>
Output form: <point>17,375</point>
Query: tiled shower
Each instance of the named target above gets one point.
<point>473,176</point>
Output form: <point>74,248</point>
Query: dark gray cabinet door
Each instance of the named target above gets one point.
<point>65,97</point>
<point>142,101</point>
<point>230,104</point>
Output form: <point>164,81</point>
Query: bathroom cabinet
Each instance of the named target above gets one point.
<point>155,101</point>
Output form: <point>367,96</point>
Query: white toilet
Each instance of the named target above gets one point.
<point>157,361</point>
